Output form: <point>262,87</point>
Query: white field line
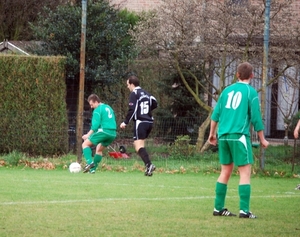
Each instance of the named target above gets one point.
<point>197,187</point>
<point>134,185</point>
<point>136,199</point>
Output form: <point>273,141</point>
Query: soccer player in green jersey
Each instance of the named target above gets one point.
<point>237,108</point>
<point>102,133</point>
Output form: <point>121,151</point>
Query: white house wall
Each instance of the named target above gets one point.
<point>288,94</point>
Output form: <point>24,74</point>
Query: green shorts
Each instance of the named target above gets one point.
<point>235,148</point>
<point>104,137</point>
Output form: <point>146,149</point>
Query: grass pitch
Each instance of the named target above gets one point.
<point>58,203</point>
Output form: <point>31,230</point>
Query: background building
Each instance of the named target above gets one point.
<point>136,5</point>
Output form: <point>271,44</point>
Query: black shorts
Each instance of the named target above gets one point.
<point>142,129</point>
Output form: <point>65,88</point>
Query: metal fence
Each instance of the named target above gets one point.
<point>167,129</point>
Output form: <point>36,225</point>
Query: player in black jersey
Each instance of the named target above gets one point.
<point>141,104</point>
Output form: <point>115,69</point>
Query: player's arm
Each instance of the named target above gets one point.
<point>262,139</point>
<point>96,121</point>
<point>153,102</point>
<point>296,131</point>
<point>132,107</point>
<point>94,127</point>
<point>212,138</point>
<point>255,115</point>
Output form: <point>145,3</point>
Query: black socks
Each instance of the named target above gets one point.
<point>144,155</point>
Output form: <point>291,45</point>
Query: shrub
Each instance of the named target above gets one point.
<point>182,149</point>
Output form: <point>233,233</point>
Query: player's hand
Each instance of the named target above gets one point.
<point>212,139</point>
<point>264,143</point>
<point>85,136</point>
<point>123,125</point>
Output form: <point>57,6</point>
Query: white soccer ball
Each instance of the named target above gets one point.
<point>75,167</point>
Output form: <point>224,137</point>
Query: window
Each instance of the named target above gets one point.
<point>237,2</point>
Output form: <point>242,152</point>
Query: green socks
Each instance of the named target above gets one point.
<point>244,192</point>
<point>97,160</point>
<point>221,190</point>
<point>87,153</point>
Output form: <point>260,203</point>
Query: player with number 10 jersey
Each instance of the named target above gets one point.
<point>237,107</point>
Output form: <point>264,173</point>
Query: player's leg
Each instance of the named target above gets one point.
<point>221,185</point>
<point>244,188</point>
<point>139,146</point>
<point>139,135</point>
<point>243,158</point>
<point>221,191</point>
<point>103,139</point>
<point>97,157</point>
<point>87,151</point>
<point>141,132</point>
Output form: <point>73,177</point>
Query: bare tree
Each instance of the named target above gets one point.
<point>215,36</point>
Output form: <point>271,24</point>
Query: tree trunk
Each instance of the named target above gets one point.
<point>201,135</point>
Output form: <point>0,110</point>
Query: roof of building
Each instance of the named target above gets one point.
<point>17,47</point>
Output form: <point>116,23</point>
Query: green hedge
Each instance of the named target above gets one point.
<point>32,105</point>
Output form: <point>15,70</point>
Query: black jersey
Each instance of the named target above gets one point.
<point>141,103</point>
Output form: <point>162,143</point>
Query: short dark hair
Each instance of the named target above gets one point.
<point>94,98</point>
<point>133,80</point>
<point>244,71</point>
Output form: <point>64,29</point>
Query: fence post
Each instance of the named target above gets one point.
<point>265,71</point>
<point>79,124</point>
<point>294,154</point>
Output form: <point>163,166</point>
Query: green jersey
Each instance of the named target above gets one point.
<point>103,118</point>
<point>237,107</point>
